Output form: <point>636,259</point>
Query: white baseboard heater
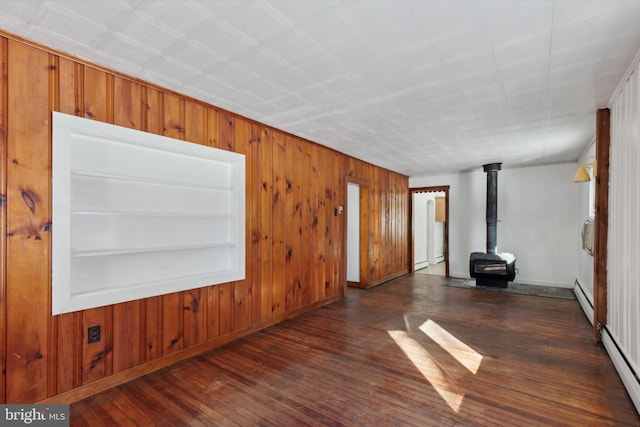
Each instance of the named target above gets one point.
<point>584,301</point>
<point>627,374</point>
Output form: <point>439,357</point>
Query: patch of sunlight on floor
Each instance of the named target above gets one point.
<point>465,355</point>
<point>422,360</point>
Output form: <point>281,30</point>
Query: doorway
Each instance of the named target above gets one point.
<point>429,237</point>
<point>357,233</point>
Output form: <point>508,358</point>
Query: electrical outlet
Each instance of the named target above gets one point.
<point>93,334</point>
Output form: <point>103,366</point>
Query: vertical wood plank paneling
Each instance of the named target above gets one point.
<point>213,321</point>
<point>307,226</point>
<point>401,225</point>
<point>381,194</point>
<point>54,97</point>
<point>397,221</point>
<point>154,107</point>
<point>154,119</point>
<point>93,355</point>
<point>320,221</point>
<point>279,162</point>
<point>266,167</point>
<point>384,224</point>
<point>172,323</point>
<point>95,103</point>
<point>373,230</point>
<point>338,200</point>
<point>375,221</point>
<point>95,94</point>
<point>213,129</point>
<point>365,242</point>
<point>226,132</point>
<point>3,211</point>
<point>127,104</point>
<point>242,288</point>
<point>331,180</point>
<point>128,342</point>
<point>254,213</point>
<point>225,308</point>
<point>315,201</point>
<point>385,231</point>
<point>294,240</point>
<point>65,354</point>
<point>128,317</point>
<point>391,229</point>
<point>194,318</point>
<point>210,293</point>
<point>78,342</point>
<point>28,218</point>
<point>342,191</point>
<point>226,141</point>
<point>172,304</point>
<point>173,116</point>
<point>297,147</point>
<point>153,328</point>
<point>393,222</point>
<point>389,218</point>
<point>195,123</point>
<point>289,217</point>
<point>334,181</point>
<point>67,79</point>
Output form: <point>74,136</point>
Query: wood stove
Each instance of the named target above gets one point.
<point>492,268</point>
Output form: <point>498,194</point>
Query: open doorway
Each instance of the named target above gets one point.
<point>357,233</point>
<point>429,221</point>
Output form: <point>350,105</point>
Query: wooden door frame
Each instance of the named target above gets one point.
<point>365,188</point>
<point>435,189</point>
<point>601,222</point>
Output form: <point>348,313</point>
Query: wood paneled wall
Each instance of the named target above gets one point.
<point>387,221</point>
<point>295,243</point>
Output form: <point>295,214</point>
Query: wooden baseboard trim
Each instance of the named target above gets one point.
<point>389,278</point>
<point>98,386</point>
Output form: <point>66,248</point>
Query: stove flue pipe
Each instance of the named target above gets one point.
<point>492,206</point>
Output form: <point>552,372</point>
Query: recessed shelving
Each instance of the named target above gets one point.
<point>138,215</point>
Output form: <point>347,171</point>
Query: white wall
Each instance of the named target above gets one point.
<point>420,229</point>
<point>353,232</point>
<point>585,260</point>
<point>438,242</point>
<point>538,223</point>
<point>428,238</point>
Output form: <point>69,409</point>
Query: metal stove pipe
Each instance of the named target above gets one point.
<point>492,206</point>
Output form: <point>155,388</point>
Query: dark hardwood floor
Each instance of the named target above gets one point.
<point>411,352</point>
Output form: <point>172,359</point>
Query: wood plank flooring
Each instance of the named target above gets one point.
<point>408,353</point>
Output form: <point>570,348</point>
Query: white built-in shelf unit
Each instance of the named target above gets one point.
<point>138,215</point>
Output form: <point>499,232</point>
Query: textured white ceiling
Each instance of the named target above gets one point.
<point>419,87</point>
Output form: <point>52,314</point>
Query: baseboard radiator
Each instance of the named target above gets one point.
<point>621,335</point>
<point>625,370</point>
<point>584,301</point>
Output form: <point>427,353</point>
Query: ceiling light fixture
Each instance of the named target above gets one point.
<point>582,175</point>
